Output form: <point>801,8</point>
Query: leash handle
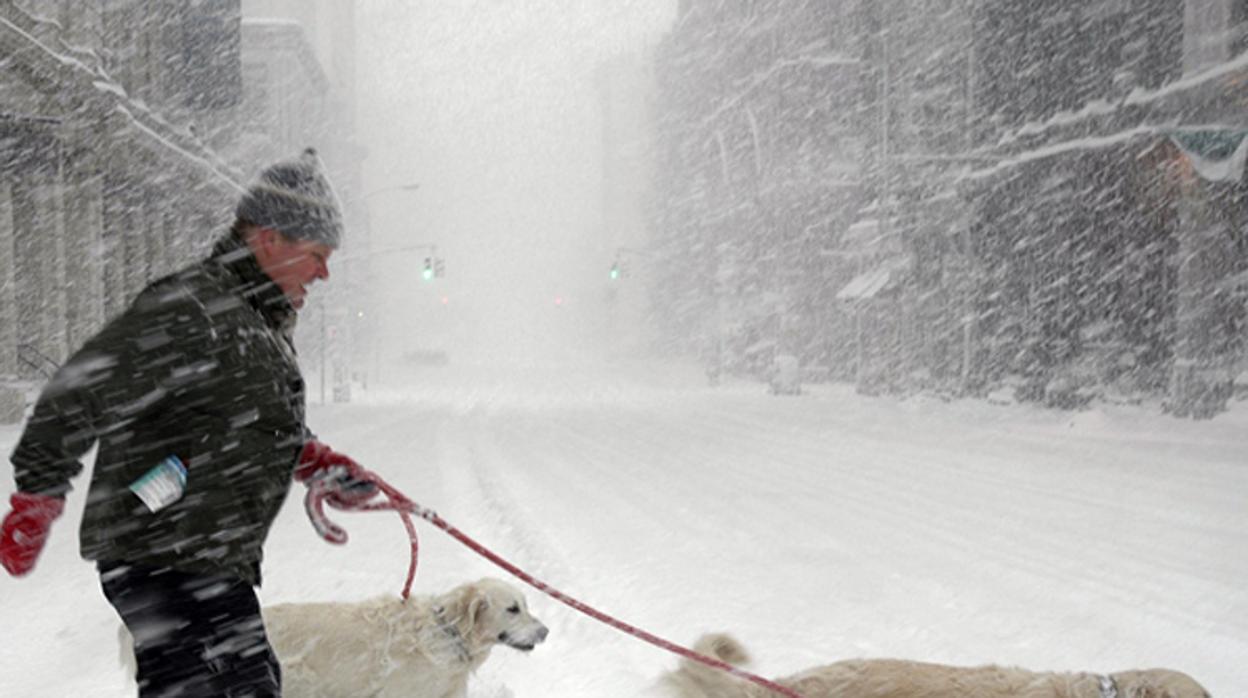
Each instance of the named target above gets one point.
<point>314,505</point>
<point>397,501</point>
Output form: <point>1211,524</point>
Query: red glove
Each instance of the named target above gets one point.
<point>25,530</point>
<point>335,478</point>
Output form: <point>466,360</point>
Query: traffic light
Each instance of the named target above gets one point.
<point>616,272</point>
<point>427,274</point>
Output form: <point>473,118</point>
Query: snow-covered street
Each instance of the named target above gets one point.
<point>815,528</point>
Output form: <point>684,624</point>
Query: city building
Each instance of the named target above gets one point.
<point>107,175</point>
<point>759,165</point>
<point>1109,245</point>
<point>127,132</point>
<point>1037,200</point>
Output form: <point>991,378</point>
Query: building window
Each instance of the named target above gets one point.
<point>1213,32</point>
<point>1239,27</point>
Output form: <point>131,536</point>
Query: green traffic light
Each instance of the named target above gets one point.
<point>427,274</point>
<point>615,272</point>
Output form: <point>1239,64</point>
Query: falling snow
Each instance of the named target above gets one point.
<point>858,328</point>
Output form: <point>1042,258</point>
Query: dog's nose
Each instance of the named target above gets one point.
<point>542,632</point>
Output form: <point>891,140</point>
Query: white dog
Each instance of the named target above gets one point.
<point>895,678</point>
<point>424,647</point>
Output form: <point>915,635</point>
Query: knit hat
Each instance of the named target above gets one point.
<point>295,198</point>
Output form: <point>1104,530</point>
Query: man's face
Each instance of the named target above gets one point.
<point>293,264</point>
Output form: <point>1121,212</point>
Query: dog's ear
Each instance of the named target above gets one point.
<point>729,650</point>
<point>456,607</point>
<point>723,647</point>
<point>478,604</point>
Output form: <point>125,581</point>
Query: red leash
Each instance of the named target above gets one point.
<point>397,501</point>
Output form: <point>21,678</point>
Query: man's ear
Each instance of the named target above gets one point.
<point>268,237</point>
<point>260,240</point>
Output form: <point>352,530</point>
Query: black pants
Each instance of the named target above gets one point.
<point>194,634</point>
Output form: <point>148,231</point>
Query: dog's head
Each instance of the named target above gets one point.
<point>490,611</point>
<point>1158,683</point>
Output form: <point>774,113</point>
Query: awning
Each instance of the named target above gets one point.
<point>1217,154</point>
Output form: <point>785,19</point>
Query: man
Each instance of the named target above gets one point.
<point>195,399</point>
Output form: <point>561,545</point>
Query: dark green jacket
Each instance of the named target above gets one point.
<point>200,366</point>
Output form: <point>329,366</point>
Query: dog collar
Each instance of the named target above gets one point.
<point>1109,687</point>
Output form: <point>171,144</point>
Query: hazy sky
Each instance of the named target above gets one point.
<point>491,106</point>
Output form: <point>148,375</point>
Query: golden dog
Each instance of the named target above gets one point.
<point>895,678</point>
<point>424,647</point>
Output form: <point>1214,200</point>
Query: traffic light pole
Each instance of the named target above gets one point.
<point>618,266</point>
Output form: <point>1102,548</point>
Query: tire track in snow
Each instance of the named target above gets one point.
<point>495,473</point>
<point>596,524</point>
